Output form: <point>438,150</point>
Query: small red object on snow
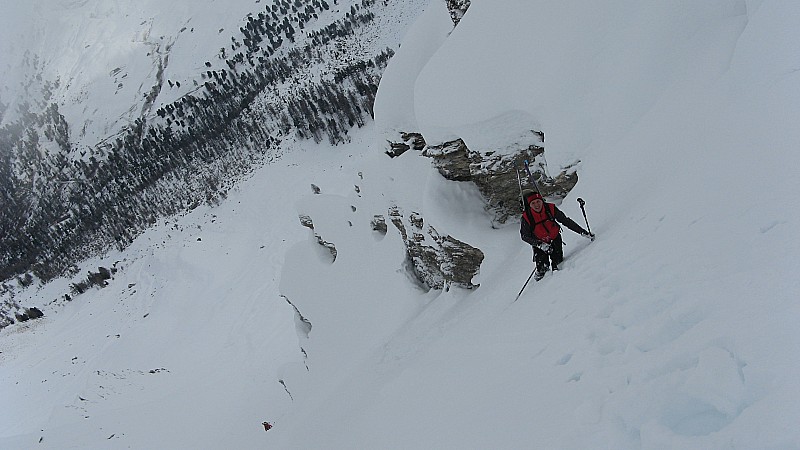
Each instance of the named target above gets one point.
<point>267,426</point>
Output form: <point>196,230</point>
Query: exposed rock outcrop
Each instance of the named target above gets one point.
<point>457,9</point>
<point>495,173</point>
<point>379,224</point>
<point>436,261</point>
<point>302,325</point>
<point>409,141</point>
<point>308,223</point>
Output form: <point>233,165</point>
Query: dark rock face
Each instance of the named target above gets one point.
<point>379,224</point>
<point>307,222</point>
<point>409,141</point>
<point>436,261</point>
<point>457,9</point>
<point>34,313</point>
<point>453,159</point>
<point>495,174</point>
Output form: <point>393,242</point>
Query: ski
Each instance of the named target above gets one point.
<point>531,180</point>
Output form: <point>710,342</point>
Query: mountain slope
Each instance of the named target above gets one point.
<point>674,329</point>
<point>78,178</point>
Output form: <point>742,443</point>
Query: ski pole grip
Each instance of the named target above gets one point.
<point>580,200</point>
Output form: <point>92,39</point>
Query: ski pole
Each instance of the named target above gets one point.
<point>526,284</point>
<point>581,202</point>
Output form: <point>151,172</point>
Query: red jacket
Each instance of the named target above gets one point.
<point>544,227</point>
<point>543,224</point>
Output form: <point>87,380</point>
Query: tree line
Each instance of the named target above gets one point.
<point>61,206</point>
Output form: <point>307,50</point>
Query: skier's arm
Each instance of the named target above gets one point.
<point>526,233</point>
<point>569,223</point>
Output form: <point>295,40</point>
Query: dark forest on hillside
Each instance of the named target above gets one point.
<point>59,208</point>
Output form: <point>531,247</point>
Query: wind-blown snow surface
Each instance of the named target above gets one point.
<point>676,328</point>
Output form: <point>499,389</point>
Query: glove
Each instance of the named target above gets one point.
<point>588,235</point>
<point>545,247</point>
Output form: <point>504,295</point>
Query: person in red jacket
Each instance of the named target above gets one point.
<point>540,228</point>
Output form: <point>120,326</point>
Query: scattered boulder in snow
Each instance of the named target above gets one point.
<point>494,173</point>
<point>409,141</point>
<point>306,221</point>
<point>397,148</point>
<point>436,261</point>
<point>379,224</point>
<point>315,189</point>
<point>34,313</point>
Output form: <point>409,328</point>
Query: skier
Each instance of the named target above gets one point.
<point>540,229</point>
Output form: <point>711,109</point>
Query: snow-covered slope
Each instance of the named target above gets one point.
<point>674,329</point>
<point>205,112</point>
<point>663,333</point>
<point>106,56</point>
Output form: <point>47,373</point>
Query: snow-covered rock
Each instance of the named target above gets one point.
<point>437,261</point>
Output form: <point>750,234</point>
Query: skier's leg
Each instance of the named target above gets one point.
<point>542,261</point>
<point>557,256</point>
